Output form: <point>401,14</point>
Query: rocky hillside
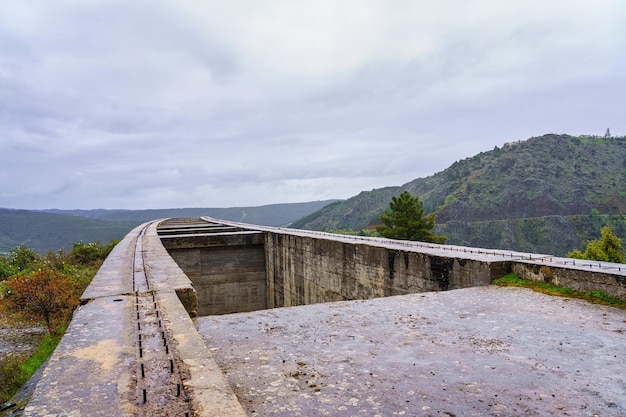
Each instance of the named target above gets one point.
<point>547,194</point>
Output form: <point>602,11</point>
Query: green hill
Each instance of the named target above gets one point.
<point>547,194</point>
<point>51,230</point>
<point>45,232</point>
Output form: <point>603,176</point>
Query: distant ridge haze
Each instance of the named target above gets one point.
<point>54,229</point>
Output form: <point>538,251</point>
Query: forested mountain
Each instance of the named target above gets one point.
<point>50,230</point>
<point>547,194</point>
<point>45,232</point>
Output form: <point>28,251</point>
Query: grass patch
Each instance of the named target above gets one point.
<point>16,370</point>
<point>510,280</point>
<point>12,376</point>
<point>596,296</point>
<point>42,353</point>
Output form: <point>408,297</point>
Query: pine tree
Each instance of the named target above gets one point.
<point>405,220</point>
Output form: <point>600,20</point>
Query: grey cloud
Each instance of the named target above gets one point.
<point>215,104</point>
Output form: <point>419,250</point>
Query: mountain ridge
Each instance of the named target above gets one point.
<point>55,229</point>
<point>546,177</point>
<point>279,214</point>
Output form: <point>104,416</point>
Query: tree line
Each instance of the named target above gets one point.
<point>404,219</point>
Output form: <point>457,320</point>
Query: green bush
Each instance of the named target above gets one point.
<point>24,259</point>
<point>6,268</point>
<point>15,370</point>
<point>90,253</point>
<point>607,248</point>
<point>12,377</point>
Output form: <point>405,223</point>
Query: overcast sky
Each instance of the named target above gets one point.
<point>159,104</point>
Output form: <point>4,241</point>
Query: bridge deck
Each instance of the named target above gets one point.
<point>131,348</point>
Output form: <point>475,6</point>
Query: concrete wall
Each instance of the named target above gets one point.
<point>269,267</point>
<point>307,270</point>
<point>247,271</point>
<point>576,279</point>
<point>227,271</point>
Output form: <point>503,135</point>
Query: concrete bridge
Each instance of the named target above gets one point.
<point>189,317</point>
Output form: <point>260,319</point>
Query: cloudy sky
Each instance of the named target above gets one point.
<point>182,103</point>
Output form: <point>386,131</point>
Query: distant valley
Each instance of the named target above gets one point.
<point>51,230</point>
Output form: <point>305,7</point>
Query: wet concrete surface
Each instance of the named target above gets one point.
<point>90,372</point>
<point>471,352</point>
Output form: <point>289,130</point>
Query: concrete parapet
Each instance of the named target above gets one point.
<point>90,372</point>
<point>114,276</point>
<point>95,369</point>
<point>304,269</point>
<point>165,274</point>
<point>329,263</point>
<point>580,279</point>
<point>207,387</point>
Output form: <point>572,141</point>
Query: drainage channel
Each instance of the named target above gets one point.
<point>160,389</point>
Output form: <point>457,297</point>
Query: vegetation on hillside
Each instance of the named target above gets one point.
<point>36,289</point>
<point>405,220</point>
<point>547,194</point>
<point>45,232</point>
<point>355,213</point>
<point>44,295</point>
<point>607,248</point>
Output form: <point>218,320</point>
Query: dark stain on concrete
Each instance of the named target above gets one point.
<point>440,268</point>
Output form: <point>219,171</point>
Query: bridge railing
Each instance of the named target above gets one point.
<point>494,254</point>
